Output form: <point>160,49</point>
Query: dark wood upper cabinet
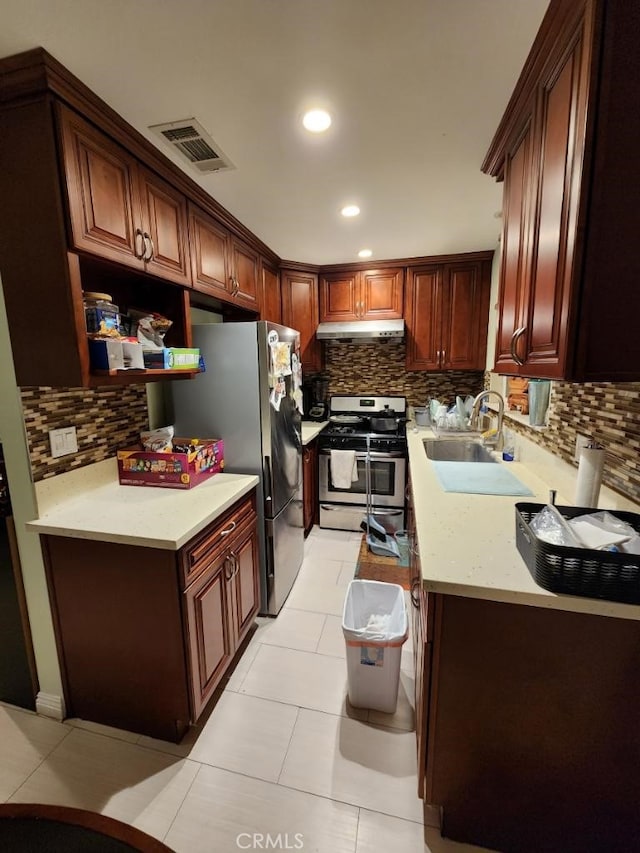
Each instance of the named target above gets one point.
<point>89,204</point>
<point>567,151</point>
<point>208,254</point>
<point>514,272</point>
<point>361,295</point>
<point>221,265</point>
<point>270,298</point>
<point>465,313</point>
<point>244,264</point>
<point>300,311</point>
<point>446,313</point>
<point>164,213</point>
<point>118,209</point>
<point>102,193</point>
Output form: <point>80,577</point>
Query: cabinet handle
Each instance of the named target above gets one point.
<point>235,292</point>
<point>149,248</point>
<point>228,573</point>
<point>228,530</point>
<point>514,341</point>
<point>139,241</point>
<point>415,596</point>
<point>444,356</point>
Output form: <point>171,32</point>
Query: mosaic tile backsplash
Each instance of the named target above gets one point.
<point>378,368</point>
<point>604,411</point>
<point>106,419</point>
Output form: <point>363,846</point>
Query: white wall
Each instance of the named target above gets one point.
<point>13,438</point>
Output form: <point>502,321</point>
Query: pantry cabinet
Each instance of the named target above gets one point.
<point>446,314</point>
<point>145,634</point>
<point>300,311</point>
<point>361,295</point>
<point>566,149</point>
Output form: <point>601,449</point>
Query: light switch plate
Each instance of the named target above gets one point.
<point>63,441</point>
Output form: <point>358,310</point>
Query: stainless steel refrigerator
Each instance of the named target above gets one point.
<point>250,395</point>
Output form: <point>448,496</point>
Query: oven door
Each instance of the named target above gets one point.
<point>388,472</point>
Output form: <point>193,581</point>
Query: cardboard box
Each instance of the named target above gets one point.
<point>138,467</point>
<point>172,358</point>
<point>106,354</point>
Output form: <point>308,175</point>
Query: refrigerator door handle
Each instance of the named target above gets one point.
<point>268,483</point>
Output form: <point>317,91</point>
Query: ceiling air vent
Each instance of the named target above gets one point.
<point>194,143</point>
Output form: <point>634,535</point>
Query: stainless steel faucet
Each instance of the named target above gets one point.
<point>496,440</point>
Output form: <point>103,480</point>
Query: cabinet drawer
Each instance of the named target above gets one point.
<point>204,547</point>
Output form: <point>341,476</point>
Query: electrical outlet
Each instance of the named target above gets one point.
<point>63,441</point>
<point>581,441</point>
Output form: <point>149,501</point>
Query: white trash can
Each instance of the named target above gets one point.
<point>375,627</point>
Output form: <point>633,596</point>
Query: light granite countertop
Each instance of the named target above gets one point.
<point>467,542</point>
<point>311,430</point>
<point>89,503</point>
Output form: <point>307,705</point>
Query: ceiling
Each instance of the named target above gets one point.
<point>416,89</point>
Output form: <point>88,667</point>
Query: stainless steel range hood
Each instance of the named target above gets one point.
<point>361,331</point>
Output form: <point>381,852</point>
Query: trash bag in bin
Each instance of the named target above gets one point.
<point>375,627</point>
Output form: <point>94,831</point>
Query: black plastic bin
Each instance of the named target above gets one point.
<point>579,571</point>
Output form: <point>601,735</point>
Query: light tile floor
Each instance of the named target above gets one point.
<point>282,752</point>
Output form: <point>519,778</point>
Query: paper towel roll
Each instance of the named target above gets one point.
<point>589,476</point>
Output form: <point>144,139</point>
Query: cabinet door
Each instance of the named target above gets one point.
<point>244,598</point>
<point>340,297</point>
<point>208,254</point>
<point>465,313</point>
<point>515,267</point>
<point>381,294</point>
<point>210,642</point>
<point>423,313</point>
<point>300,311</point>
<point>102,193</point>
<point>165,221</point>
<point>554,234</point>
<point>271,300</point>
<point>244,266</point>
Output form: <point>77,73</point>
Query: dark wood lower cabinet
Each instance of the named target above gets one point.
<point>310,485</point>
<point>142,648</point>
<point>527,725</point>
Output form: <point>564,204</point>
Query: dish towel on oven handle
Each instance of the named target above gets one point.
<point>344,468</point>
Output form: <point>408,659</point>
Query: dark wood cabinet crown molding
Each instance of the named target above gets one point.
<point>35,73</point>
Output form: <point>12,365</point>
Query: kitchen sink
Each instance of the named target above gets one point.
<point>456,450</point>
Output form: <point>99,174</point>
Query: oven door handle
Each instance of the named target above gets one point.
<point>390,454</point>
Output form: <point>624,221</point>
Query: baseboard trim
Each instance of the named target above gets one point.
<point>50,705</point>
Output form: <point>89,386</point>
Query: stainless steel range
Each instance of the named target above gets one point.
<point>355,424</point>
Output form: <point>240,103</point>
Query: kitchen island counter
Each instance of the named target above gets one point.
<point>89,503</point>
<point>467,542</point>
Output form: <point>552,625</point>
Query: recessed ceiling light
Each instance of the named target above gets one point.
<point>316,120</point>
<point>365,253</point>
<point>350,210</point>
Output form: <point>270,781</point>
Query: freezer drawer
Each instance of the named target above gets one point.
<point>285,552</point>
